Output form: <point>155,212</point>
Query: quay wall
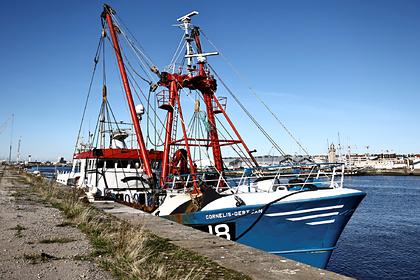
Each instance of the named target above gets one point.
<point>250,261</point>
<point>231,255</point>
<point>388,172</point>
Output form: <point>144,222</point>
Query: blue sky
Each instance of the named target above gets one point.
<point>323,66</point>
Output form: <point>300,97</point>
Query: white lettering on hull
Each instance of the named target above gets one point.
<point>238,213</point>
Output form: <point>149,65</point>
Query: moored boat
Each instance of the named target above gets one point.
<point>295,210</point>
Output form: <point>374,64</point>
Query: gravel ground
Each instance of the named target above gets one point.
<point>35,240</point>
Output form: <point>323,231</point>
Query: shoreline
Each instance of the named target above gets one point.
<point>386,172</point>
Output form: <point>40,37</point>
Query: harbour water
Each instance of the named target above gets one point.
<point>382,239</point>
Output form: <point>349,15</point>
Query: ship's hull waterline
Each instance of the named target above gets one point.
<point>306,230</point>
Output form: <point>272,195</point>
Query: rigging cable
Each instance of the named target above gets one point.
<point>242,154</point>
<point>276,146</point>
<point>178,50</point>
<point>96,59</point>
<point>134,82</point>
<point>146,61</point>
<point>143,52</point>
<point>257,97</point>
<point>135,72</point>
<point>247,112</point>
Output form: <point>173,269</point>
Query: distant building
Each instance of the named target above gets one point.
<point>331,153</point>
<point>266,161</point>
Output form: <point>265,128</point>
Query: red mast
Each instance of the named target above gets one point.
<point>208,93</point>
<point>143,151</point>
<point>195,79</point>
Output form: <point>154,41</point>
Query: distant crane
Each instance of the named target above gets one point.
<point>3,127</point>
<point>18,150</point>
<point>11,139</point>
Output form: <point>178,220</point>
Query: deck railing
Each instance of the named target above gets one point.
<point>287,177</point>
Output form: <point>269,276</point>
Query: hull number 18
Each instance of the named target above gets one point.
<point>226,230</point>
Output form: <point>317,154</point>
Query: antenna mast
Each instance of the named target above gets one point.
<point>197,77</point>
<point>339,146</point>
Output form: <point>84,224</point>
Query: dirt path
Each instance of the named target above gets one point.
<point>35,240</point>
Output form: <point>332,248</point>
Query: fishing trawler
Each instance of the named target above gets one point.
<point>173,168</point>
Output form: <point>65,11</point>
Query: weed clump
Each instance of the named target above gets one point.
<point>57,240</point>
<point>129,252</point>
<point>39,258</point>
<point>19,230</point>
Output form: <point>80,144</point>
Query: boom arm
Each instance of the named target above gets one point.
<point>143,151</point>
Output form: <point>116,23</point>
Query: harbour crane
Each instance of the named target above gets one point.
<point>3,127</point>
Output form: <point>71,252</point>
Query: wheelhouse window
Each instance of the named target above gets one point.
<point>122,163</point>
<point>101,163</point>
<point>109,163</point>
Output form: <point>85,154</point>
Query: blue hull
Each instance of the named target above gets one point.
<point>306,230</point>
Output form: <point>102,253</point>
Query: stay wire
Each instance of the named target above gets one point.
<point>135,72</point>
<point>257,97</point>
<point>134,82</point>
<point>96,59</point>
<point>178,50</point>
<point>113,116</point>
<point>269,138</point>
<point>242,153</point>
<point>243,156</point>
<point>146,61</point>
<point>119,20</point>
<point>97,127</point>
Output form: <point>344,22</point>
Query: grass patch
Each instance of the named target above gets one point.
<point>39,258</point>
<point>129,252</point>
<point>17,194</point>
<point>57,240</point>
<point>83,258</point>
<point>19,230</point>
